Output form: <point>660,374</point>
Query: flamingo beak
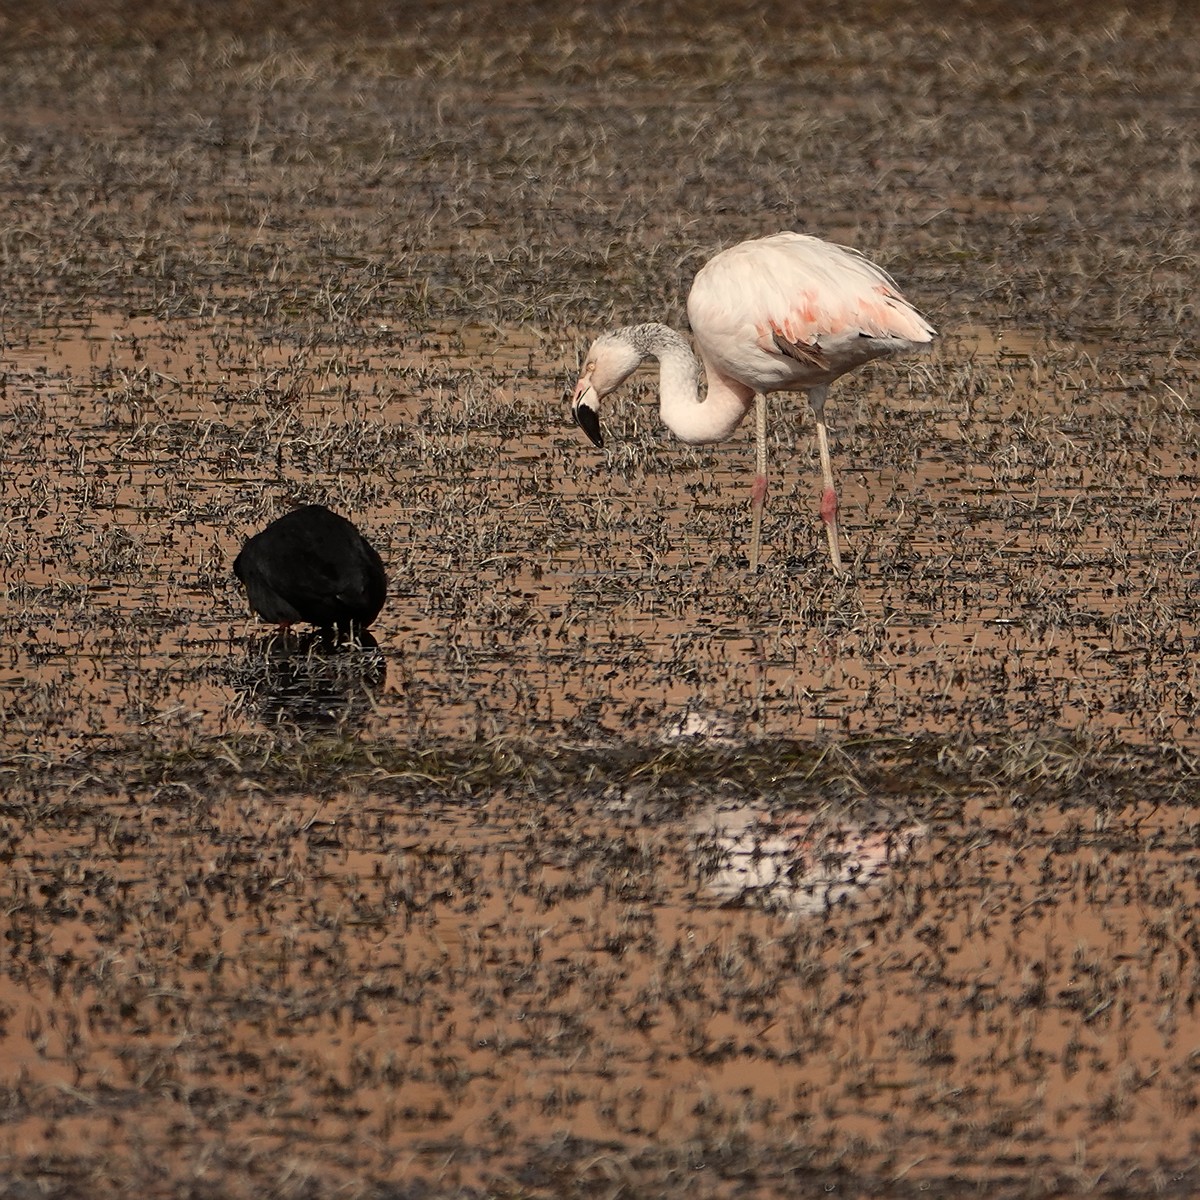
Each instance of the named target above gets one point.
<point>585,407</point>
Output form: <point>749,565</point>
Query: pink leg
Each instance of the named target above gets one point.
<point>829,500</point>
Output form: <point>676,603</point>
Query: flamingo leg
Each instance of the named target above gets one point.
<point>829,500</point>
<point>758,495</point>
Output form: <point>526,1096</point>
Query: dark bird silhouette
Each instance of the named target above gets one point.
<point>312,565</point>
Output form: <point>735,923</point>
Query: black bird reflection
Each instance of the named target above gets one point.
<point>309,680</point>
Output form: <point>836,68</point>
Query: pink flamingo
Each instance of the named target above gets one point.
<point>786,313</point>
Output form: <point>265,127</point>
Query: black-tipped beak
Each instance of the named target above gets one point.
<point>588,419</point>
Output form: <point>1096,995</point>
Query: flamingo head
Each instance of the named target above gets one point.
<point>610,361</point>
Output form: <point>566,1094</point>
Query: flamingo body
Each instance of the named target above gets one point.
<point>788,312</point>
<point>810,293</point>
<point>313,565</point>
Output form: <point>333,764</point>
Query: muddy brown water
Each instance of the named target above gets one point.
<point>558,624</point>
<point>614,869</point>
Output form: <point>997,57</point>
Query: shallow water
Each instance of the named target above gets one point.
<point>615,868</point>
<point>432,977</point>
<point>886,975</point>
<point>1003,574</point>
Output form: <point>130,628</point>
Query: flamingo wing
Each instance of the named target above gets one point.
<point>795,311</point>
<point>802,352</point>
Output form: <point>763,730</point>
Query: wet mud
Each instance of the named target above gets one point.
<point>613,868</point>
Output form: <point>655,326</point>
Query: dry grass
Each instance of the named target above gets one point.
<point>444,919</point>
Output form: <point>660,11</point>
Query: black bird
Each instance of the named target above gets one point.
<point>312,565</point>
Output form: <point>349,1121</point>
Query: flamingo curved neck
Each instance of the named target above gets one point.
<point>689,416</point>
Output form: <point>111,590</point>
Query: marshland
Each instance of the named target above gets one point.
<point>615,868</point>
